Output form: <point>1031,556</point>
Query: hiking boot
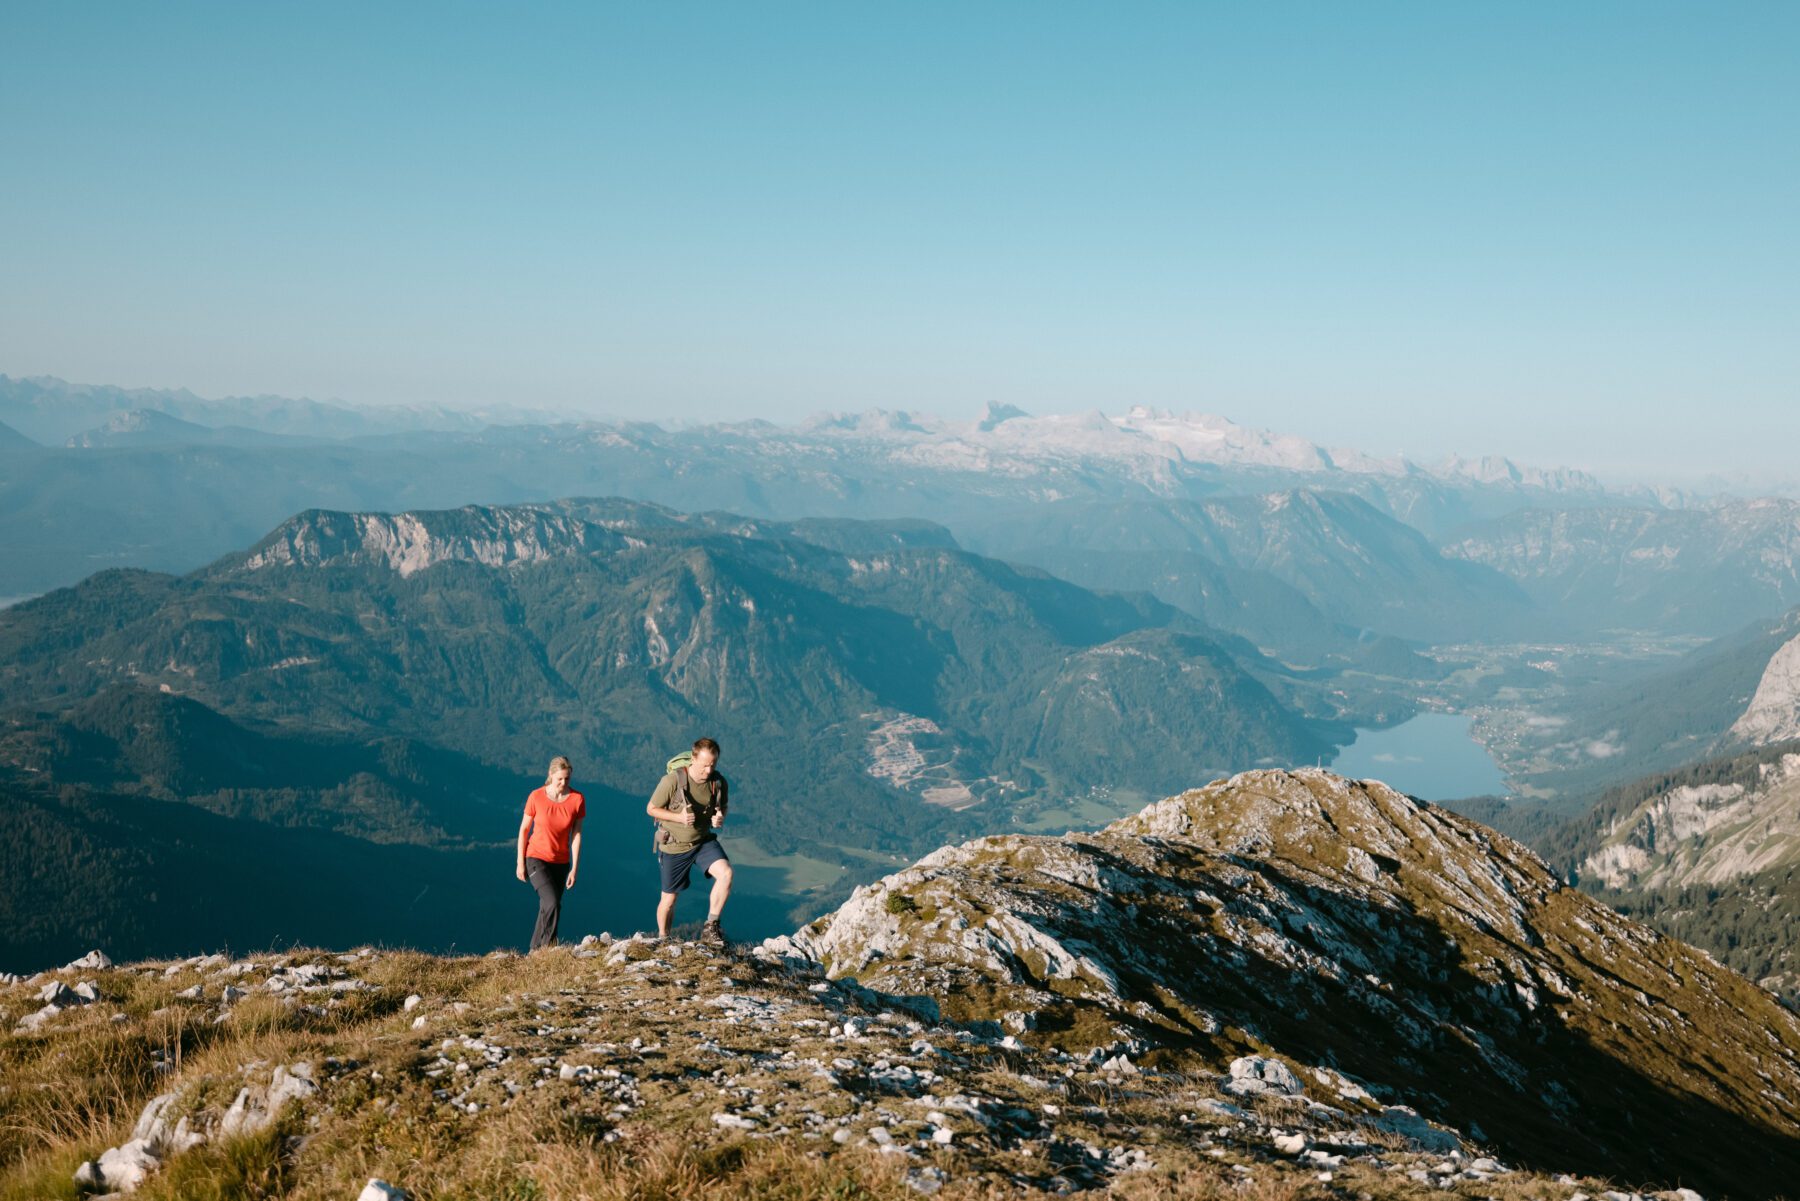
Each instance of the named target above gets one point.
<point>711,933</point>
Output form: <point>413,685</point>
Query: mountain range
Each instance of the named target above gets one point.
<point>1294,570</point>
<point>305,699</point>
<point>168,481</point>
<point>53,411</point>
<point>879,690</point>
<point>154,500</point>
<point>1700,571</point>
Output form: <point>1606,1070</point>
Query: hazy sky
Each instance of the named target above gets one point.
<point>1565,232</point>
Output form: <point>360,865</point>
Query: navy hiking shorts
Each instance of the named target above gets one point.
<point>677,867</point>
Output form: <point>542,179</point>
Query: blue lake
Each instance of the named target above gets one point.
<point>1431,756</point>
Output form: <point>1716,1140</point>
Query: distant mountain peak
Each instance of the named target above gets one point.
<point>997,413</point>
<point>1498,469</point>
<point>12,439</point>
<point>1774,711</point>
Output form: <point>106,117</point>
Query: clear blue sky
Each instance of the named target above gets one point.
<point>1569,233</point>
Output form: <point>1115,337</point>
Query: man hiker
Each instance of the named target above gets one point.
<point>689,805</point>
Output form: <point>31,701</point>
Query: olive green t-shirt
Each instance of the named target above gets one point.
<point>708,799</point>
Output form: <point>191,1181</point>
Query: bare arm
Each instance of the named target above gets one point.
<point>524,835</point>
<point>574,851</point>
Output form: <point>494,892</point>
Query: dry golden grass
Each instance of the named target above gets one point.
<point>68,1093</point>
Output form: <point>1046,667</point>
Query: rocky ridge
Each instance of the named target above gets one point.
<point>1611,566</point>
<point>630,1065</point>
<point>407,543</point>
<point>1400,943</point>
<point>1286,981</point>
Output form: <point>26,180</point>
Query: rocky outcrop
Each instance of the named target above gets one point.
<point>616,1042</point>
<point>408,543</point>
<point>1340,923</point>
<point>1774,711</point>
<point>1704,833</point>
<point>645,1062</point>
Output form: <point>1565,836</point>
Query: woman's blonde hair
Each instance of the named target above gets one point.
<point>558,764</point>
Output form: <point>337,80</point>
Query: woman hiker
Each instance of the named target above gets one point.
<point>550,847</point>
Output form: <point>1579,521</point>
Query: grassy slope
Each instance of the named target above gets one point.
<point>394,1102</point>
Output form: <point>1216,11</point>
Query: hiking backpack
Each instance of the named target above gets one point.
<point>678,763</point>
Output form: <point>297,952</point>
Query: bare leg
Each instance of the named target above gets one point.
<point>665,910</point>
<point>721,889</point>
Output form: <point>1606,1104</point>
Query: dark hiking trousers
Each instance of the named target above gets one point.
<point>549,879</point>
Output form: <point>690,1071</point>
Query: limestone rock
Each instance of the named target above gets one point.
<point>1330,921</point>
<point>120,1169</point>
<point>1254,1075</point>
<point>254,1109</point>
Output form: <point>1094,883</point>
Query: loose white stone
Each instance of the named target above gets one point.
<point>34,1021</point>
<point>381,1190</point>
<point>1253,1074</point>
<point>926,1180</point>
<point>124,1168</point>
<point>58,993</point>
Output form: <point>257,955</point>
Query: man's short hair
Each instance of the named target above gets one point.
<point>706,744</point>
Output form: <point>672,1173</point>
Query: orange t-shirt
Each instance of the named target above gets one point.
<point>550,822</point>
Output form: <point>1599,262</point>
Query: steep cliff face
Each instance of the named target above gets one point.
<point>1774,711</point>
<point>1342,924</point>
<point>1704,833</point>
<point>408,543</point>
